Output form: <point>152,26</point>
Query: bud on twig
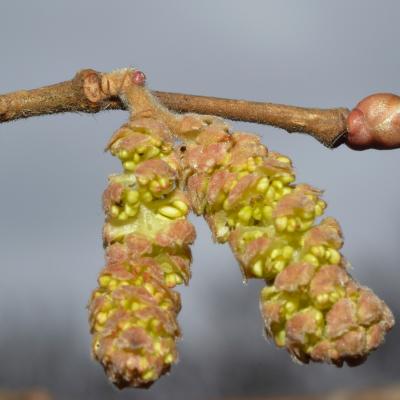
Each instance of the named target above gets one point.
<point>375,123</point>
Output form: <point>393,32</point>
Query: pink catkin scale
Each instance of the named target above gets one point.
<point>375,123</point>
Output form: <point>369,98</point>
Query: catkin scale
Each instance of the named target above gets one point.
<point>311,306</point>
<point>146,236</point>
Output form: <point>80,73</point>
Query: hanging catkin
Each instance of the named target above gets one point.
<point>146,235</point>
<point>312,306</point>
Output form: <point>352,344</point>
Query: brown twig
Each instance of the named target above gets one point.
<point>84,94</point>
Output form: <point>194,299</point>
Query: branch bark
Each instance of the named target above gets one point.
<point>81,94</point>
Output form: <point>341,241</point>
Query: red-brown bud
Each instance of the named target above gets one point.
<point>139,78</point>
<point>375,123</point>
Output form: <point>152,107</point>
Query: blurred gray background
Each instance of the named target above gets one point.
<point>53,171</point>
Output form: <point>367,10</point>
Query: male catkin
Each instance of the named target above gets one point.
<point>146,235</point>
<point>311,306</point>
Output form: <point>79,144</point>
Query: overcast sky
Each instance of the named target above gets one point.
<point>53,171</point>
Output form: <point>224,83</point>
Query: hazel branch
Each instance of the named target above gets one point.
<point>325,125</point>
<point>88,92</point>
